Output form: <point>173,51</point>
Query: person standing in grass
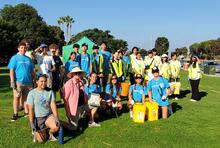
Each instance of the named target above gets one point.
<point>69,65</point>
<point>85,60</point>
<point>22,77</point>
<point>56,75</point>
<point>136,93</point>
<point>131,68</point>
<point>106,68</point>
<point>175,75</point>
<point>116,67</point>
<point>158,91</point>
<point>45,61</point>
<point>76,50</point>
<point>42,108</point>
<point>164,67</point>
<point>194,78</point>
<point>98,65</point>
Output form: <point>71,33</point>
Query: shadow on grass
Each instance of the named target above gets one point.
<point>183,93</point>
<point>70,133</point>
<point>176,107</point>
<point>202,94</point>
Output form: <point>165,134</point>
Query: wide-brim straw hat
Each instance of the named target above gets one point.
<point>77,70</point>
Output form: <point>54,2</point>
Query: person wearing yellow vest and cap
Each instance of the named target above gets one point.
<point>164,67</point>
<point>97,65</point>
<point>194,78</point>
<point>175,75</point>
<point>116,66</point>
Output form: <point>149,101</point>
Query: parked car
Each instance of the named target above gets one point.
<point>211,63</point>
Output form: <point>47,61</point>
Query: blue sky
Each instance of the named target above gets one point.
<point>139,22</point>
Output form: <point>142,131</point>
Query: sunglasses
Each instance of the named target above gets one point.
<point>114,78</point>
<point>138,78</point>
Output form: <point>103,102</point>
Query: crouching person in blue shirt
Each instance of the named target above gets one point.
<point>158,91</point>
<point>42,108</point>
<point>92,89</point>
<point>136,93</point>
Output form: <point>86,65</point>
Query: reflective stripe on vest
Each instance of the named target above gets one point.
<point>117,68</point>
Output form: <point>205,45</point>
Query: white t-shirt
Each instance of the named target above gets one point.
<point>45,63</point>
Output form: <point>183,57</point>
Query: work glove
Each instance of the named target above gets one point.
<point>12,85</point>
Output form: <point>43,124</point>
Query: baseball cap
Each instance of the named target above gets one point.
<point>155,69</point>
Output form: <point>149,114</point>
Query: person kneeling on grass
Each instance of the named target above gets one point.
<point>136,93</point>
<point>42,108</point>
<point>113,91</point>
<point>158,90</point>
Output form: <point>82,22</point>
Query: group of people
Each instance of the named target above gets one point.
<point>88,83</point>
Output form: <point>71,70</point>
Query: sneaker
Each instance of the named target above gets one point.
<point>14,117</point>
<point>131,115</point>
<point>94,124</point>
<point>26,115</point>
<point>52,138</point>
<point>192,100</point>
<point>176,98</point>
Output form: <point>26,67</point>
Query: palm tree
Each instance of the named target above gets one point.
<point>66,21</point>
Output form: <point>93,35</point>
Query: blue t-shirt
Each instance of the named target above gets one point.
<point>107,57</point>
<point>41,100</point>
<point>137,92</point>
<point>92,88</point>
<point>113,91</point>
<point>159,89</point>
<point>126,59</point>
<point>70,65</point>
<point>23,68</point>
<point>85,61</point>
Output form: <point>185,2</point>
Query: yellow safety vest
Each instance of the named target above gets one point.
<point>138,66</point>
<point>116,68</point>
<point>175,68</point>
<point>100,63</point>
<point>164,70</point>
<point>194,73</point>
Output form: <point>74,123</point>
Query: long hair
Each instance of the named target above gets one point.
<point>193,63</point>
<point>117,85</point>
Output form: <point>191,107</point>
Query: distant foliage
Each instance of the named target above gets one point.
<point>162,45</point>
<point>207,49</point>
<point>97,36</point>
<point>24,22</point>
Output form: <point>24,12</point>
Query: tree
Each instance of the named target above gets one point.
<point>28,24</point>
<point>8,39</point>
<point>162,45</point>
<point>182,51</point>
<point>66,21</point>
<point>98,36</point>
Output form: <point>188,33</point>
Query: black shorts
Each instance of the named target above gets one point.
<point>40,122</point>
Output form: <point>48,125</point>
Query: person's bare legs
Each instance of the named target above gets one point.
<point>52,125</point>
<point>164,112</point>
<point>93,112</point>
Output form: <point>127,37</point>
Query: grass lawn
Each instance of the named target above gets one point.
<point>194,124</point>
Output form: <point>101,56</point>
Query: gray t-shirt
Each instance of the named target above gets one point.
<point>41,99</point>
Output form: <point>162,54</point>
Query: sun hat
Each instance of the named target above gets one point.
<point>77,70</point>
<point>138,76</point>
<point>164,56</point>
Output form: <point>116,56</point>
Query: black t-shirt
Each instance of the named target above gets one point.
<point>81,100</point>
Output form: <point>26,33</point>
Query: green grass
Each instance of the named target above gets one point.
<point>192,125</point>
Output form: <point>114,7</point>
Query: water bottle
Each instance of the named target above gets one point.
<point>60,136</point>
